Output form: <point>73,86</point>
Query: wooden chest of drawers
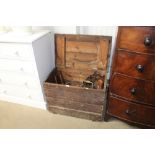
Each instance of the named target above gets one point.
<point>132,84</point>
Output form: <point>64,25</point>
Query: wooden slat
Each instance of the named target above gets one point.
<point>83,38</point>
<point>81,47</point>
<point>60,50</point>
<point>81,60</point>
<point>77,94</point>
<point>104,48</point>
<point>82,57</point>
<point>64,102</point>
<point>76,113</point>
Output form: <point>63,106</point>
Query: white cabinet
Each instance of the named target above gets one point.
<point>25,63</point>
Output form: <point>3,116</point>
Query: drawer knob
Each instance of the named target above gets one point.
<point>128,112</point>
<point>147,41</point>
<point>140,68</point>
<point>133,91</point>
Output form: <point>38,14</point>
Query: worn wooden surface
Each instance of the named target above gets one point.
<point>75,98</point>
<point>90,96</point>
<point>80,55</point>
<point>75,113</point>
<point>60,48</point>
<point>77,57</point>
<point>132,88</point>
<point>132,112</point>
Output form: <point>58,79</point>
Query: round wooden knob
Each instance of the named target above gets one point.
<point>140,68</point>
<point>133,91</point>
<point>127,111</point>
<point>147,41</point>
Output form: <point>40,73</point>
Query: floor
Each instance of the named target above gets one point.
<point>19,116</point>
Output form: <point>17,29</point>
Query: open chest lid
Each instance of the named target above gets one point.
<point>78,56</point>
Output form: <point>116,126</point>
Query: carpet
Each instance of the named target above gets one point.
<point>16,116</point>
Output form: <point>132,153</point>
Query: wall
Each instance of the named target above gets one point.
<point>57,29</point>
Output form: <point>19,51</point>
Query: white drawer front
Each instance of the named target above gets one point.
<point>21,80</point>
<point>17,66</point>
<point>16,51</point>
<point>19,92</point>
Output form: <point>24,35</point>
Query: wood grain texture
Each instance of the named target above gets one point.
<point>87,38</point>
<point>132,82</point>
<point>122,85</point>
<point>132,112</point>
<point>81,60</point>
<point>82,52</point>
<point>72,93</point>
<point>73,104</point>
<point>81,46</point>
<point>103,55</point>
<point>60,49</point>
<point>128,61</point>
<point>75,113</point>
<point>132,39</point>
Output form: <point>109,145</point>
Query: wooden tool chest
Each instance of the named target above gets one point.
<point>78,84</point>
<point>132,83</point>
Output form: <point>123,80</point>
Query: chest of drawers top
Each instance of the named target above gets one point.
<point>11,37</point>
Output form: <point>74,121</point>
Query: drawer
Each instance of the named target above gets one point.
<point>132,112</point>
<point>140,39</point>
<point>21,92</point>
<point>21,80</point>
<point>136,65</point>
<point>16,51</point>
<point>17,66</point>
<point>132,89</point>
